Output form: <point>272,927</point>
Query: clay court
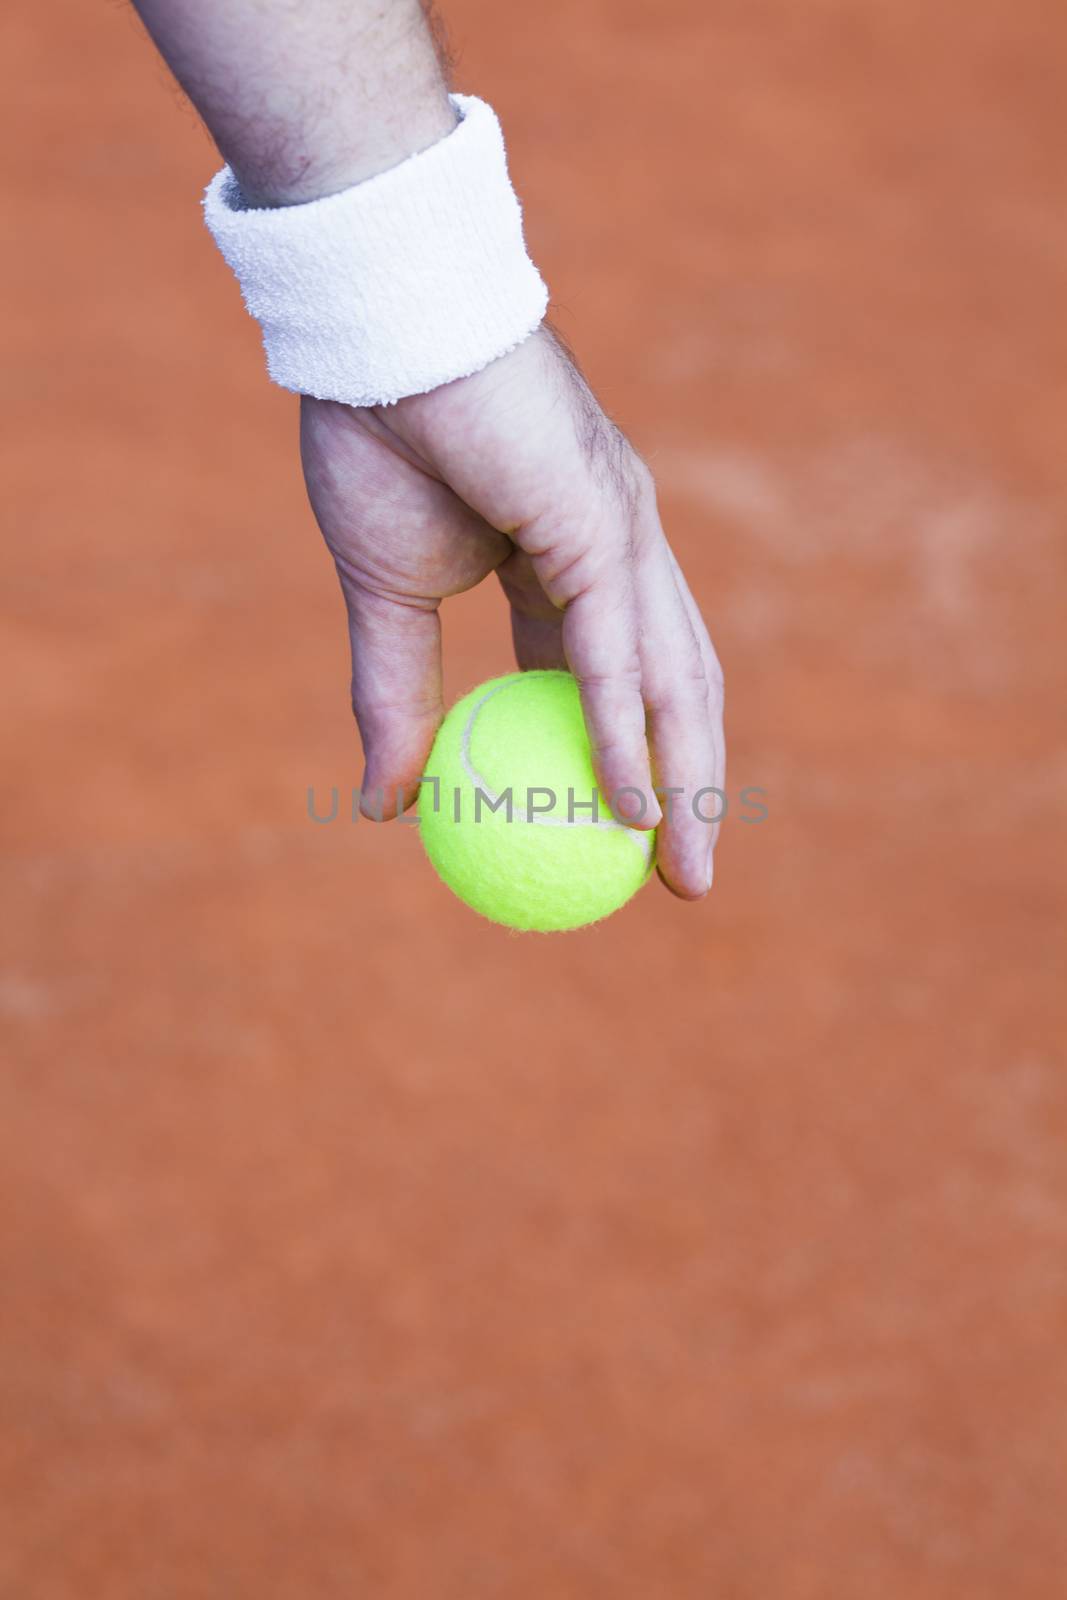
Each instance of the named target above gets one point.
<point>352,1246</point>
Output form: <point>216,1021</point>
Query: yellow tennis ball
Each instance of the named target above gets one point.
<point>507,817</point>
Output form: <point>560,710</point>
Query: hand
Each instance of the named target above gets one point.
<point>517,470</point>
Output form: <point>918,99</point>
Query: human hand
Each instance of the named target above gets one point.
<point>517,470</point>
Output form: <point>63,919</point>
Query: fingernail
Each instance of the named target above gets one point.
<point>709,872</point>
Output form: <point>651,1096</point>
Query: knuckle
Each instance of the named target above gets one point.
<point>636,485</point>
<point>644,483</point>
<point>616,691</point>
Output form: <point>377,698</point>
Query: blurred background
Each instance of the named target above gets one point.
<point>351,1246</point>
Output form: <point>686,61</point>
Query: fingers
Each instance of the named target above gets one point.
<point>650,682</point>
<point>536,624</point>
<point>601,644</point>
<point>714,678</point>
<point>396,695</point>
<point>588,575</point>
<point>683,689</point>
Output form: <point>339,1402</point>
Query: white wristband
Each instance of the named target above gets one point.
<point>408,280</point>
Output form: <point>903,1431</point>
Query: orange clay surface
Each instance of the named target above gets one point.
<point>355,1250</point>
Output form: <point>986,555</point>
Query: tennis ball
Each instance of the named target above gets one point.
<point>507,822</point>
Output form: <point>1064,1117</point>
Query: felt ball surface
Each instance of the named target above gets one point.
<point>508,824</point>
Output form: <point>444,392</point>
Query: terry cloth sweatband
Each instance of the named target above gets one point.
<point>405,281</point>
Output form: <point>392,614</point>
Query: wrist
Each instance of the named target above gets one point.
<point>395,285</point>
<point>324,162</point>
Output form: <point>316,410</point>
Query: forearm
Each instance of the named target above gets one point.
<point>306,97</point>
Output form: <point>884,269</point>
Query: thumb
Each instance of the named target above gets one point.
<point>396,694</point>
